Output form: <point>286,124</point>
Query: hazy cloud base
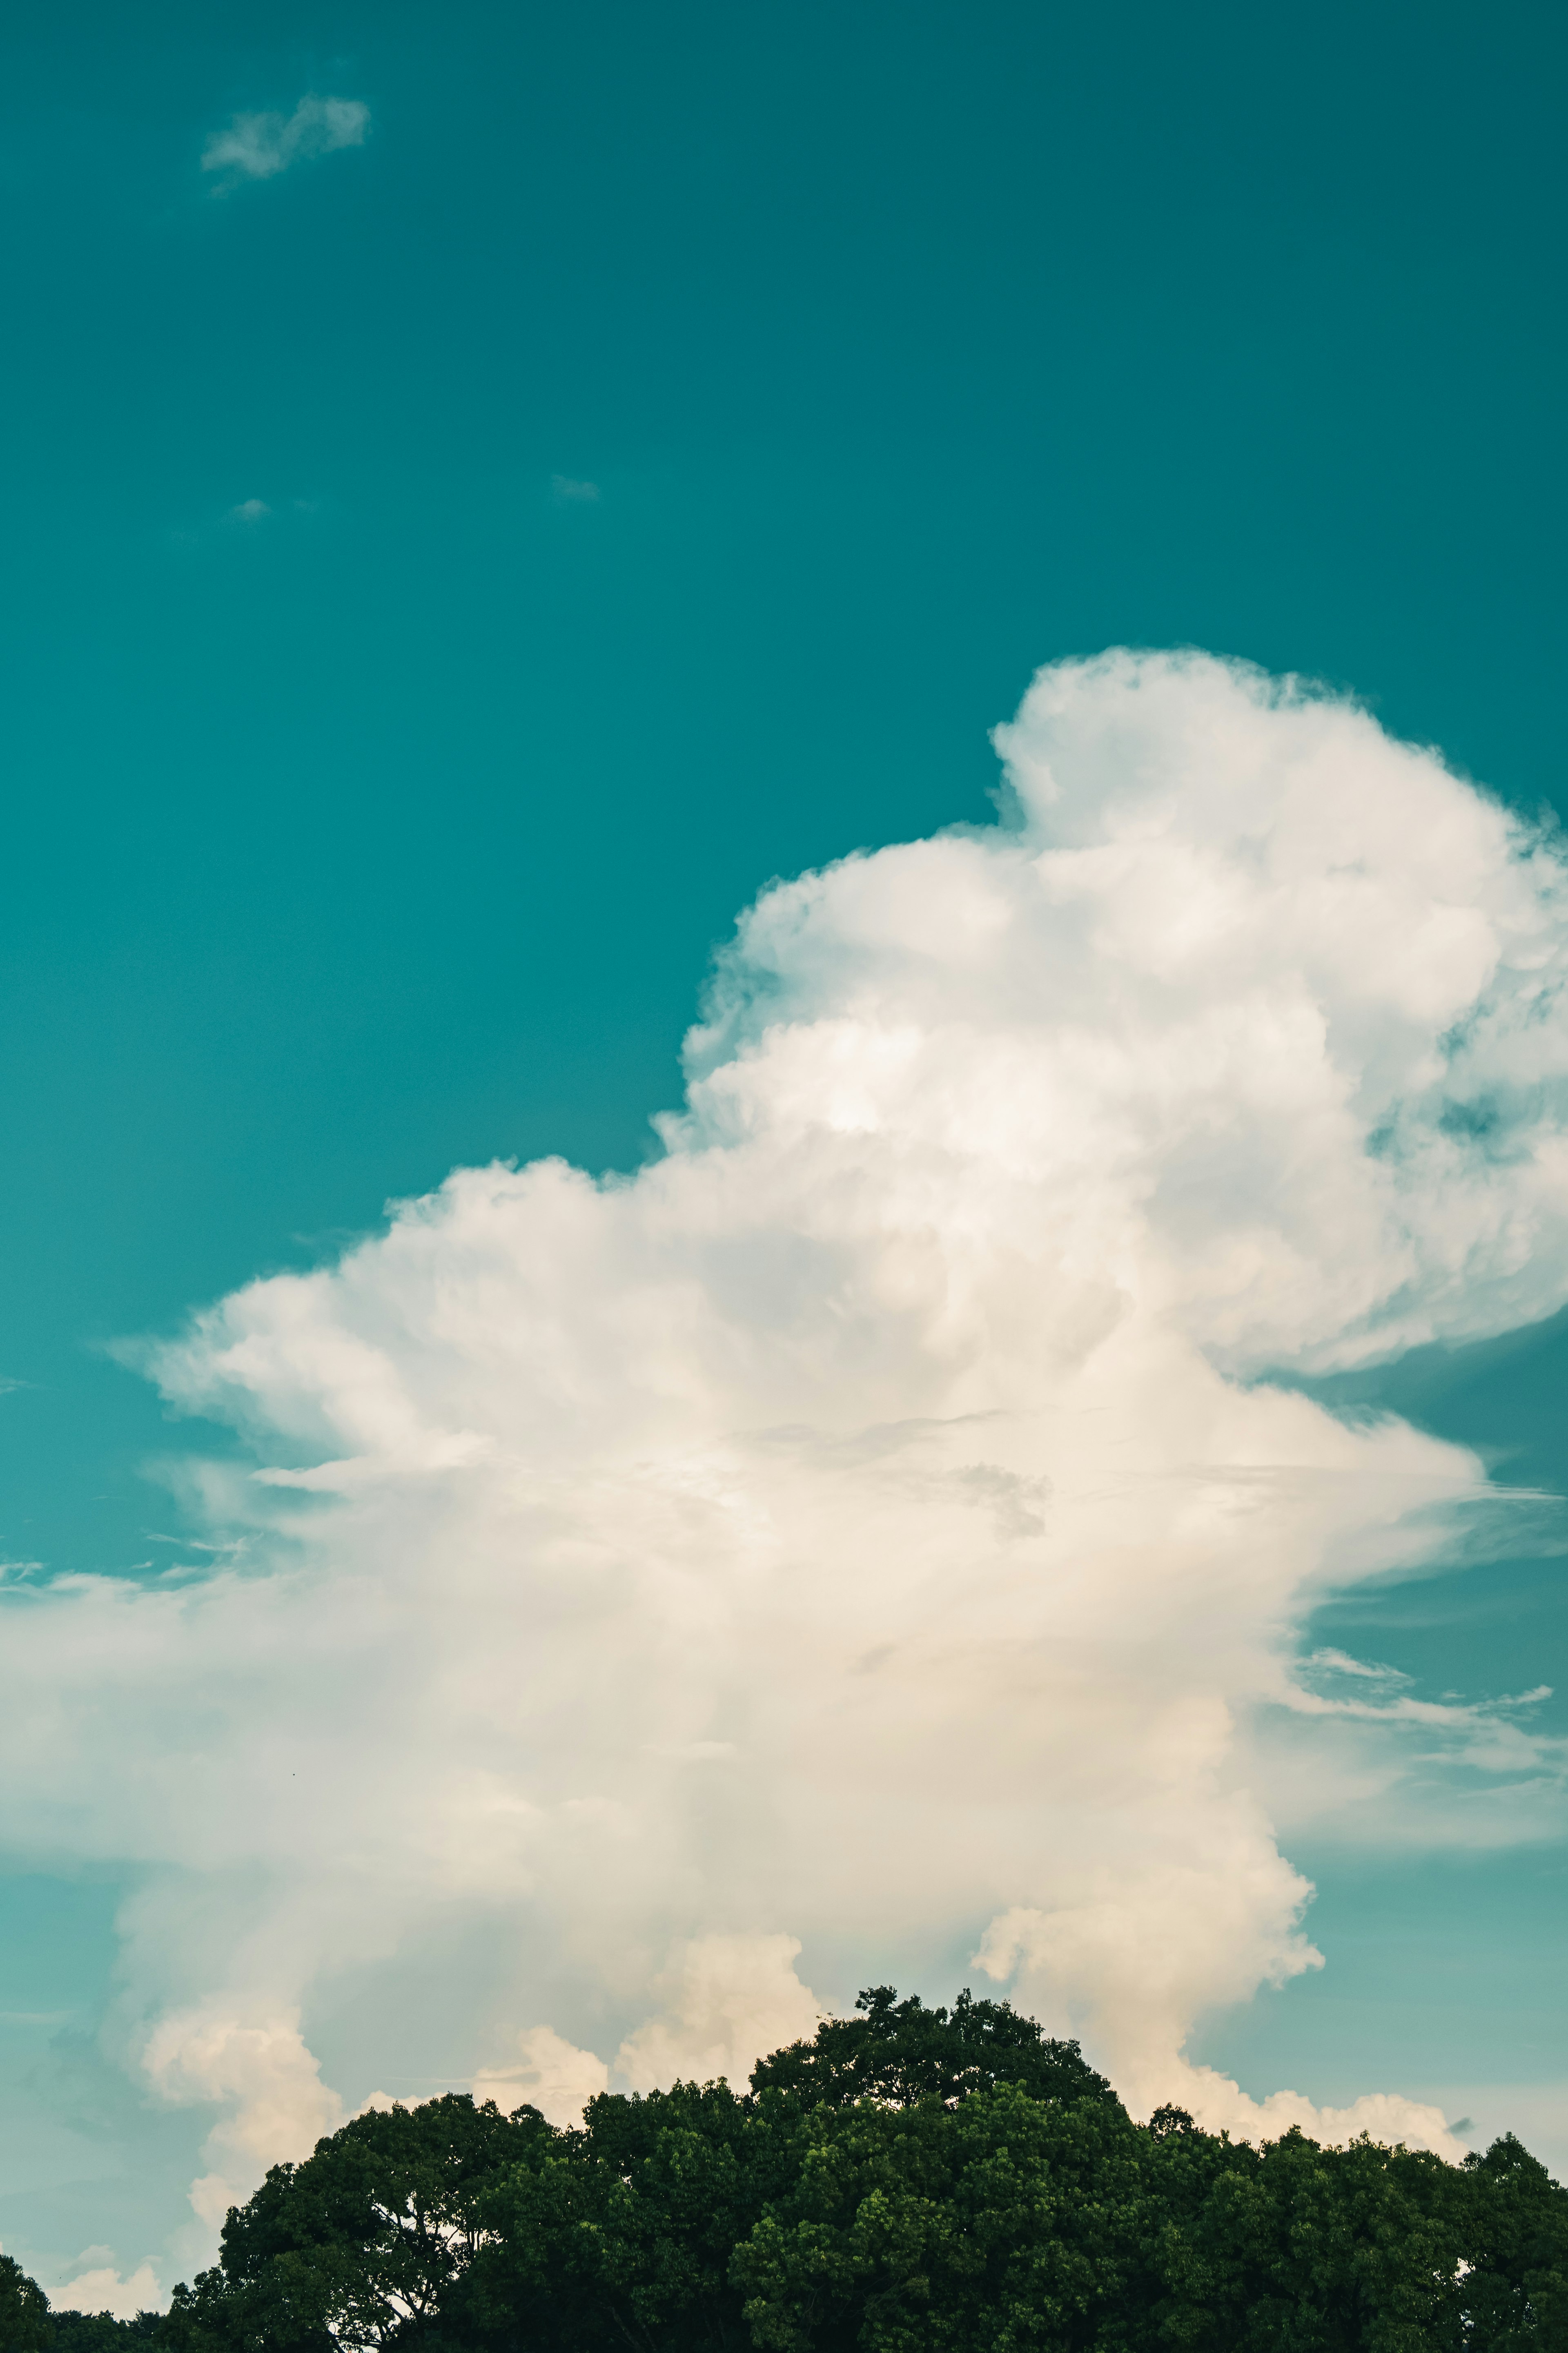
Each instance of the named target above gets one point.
<point>873,1523</point>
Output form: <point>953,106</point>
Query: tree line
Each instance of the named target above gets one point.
<point>913,2180</point>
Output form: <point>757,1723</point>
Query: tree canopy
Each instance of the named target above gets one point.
<point>902,2051</point>
<point>23,2311</point>
<point>912,2180</point>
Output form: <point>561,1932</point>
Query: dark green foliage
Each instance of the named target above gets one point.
<point>1006,2222</point>
<point>913,2180</point>
<point>368,2243</point>
<point>1517,2239</point>
<point>624,2234</point>
<point>1294,2246</point>
<point>23,2311</point>
<point>100,2332</point>
<point>900,2050</point>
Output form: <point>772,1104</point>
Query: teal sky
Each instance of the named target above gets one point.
<point>682,433</point>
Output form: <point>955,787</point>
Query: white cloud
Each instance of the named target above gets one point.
<point>551,2074</point>
<point>280,2106</point>
<point>722,2001</point>
<point>102,2289</point>
<point>865,1535</point>
<point>259,146</point>
<point>568,492</point>
<point>250,511</point>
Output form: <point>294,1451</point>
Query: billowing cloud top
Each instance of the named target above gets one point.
<point>873,1525</point>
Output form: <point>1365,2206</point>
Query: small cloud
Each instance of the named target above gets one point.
<point>259,146</point>
<point>102,2289</point>
<point>250,511</point>
<point>1339,1663</point>
<point>569,493</point>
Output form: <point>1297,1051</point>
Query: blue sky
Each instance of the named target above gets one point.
<point>448,578</point>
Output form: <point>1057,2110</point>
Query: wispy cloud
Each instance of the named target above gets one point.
<point>570,494</point>
<point>250,511</point>
<point>259,146</point>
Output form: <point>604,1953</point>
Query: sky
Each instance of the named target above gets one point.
<point>500,505</point>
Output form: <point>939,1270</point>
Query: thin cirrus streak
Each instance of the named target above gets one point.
<point>873,1525</point>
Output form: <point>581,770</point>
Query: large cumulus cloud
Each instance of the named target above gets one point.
<point>883,1523</point>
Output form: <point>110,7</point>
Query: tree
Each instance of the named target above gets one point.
<point>912,2180</point>
<point>1294,2245</point>
<point>100,2332</point>
<point>23,2311</point>
<point>1003,2222</point>
<point>901,2051</point>
<point>1515,2293</point>
<point>621,2235</point>
<point>366,2243</point>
